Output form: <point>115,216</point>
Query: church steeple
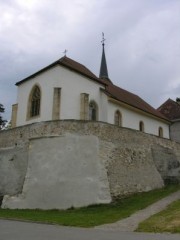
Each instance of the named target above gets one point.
<point>103,69</point>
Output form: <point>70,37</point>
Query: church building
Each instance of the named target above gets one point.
<point>78,140</point>
<point>67,90</point>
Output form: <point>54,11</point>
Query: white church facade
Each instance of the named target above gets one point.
<point>66,89</point>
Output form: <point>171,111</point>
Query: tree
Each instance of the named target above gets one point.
<point>2,122</point>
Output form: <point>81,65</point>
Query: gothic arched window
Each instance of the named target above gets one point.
<point>118,118</point>
<point>93,111</point>
<point>34,102</point>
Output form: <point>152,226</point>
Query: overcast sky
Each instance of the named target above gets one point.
<point>142,42</point>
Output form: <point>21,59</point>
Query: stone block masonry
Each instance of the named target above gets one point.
<point>60,164</point>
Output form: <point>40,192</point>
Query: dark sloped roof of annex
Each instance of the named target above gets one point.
<point>110,89</point>
<point>170,109</point>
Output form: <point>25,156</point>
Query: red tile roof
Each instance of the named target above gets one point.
<point>70,64</point>
<point>110,89</point>
<point>170,109</point>
<point>132,100</point>
<point>73,65</point>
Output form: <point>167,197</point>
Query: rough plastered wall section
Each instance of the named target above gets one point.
<point>62,172</point>
<point>109,159</point>
<point>13,167</point>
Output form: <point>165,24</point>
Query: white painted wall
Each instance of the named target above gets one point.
<point>131,119</point>
<point>74,176</point>
<point>71,84</point>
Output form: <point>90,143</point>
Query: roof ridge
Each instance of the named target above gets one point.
<point>68,63</point>
<point>68,58</point>
<point>65,61</point>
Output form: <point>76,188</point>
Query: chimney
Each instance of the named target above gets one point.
<point>178,100</point>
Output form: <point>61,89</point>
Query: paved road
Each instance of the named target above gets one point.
<point>15,230</point>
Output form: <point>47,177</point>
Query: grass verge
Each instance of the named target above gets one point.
<point>166,221</point>
<point>92,215</point>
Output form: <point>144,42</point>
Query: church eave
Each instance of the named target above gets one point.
<point>98,80</point>
<point>37,73</point>
<point>163,119</point>
<point>153,113</point>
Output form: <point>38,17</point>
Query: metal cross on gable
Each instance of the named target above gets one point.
<point>65,51</point>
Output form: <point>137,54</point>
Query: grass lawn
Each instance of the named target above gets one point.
<point>92,215</point>
<point>165,221</point>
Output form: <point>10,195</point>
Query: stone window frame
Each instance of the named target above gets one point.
<point>93,111</point>
<point>160,132</point>
<point>56,103</point>
<point>29,107</point>
<point>141,126</point>
<point>118,118</point>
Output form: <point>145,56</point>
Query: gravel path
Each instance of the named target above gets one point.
<point>131,223</point>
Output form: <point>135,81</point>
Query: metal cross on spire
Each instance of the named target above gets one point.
<point>103,39</point>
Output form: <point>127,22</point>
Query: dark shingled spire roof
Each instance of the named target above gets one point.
<point>103,69</point>
<point>103,74</point>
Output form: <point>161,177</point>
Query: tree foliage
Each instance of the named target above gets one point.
<point>2,121</point>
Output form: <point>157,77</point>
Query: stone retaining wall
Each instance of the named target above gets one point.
<point>100,161</point>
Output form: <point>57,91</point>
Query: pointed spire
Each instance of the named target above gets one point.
<point>103,69</point>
